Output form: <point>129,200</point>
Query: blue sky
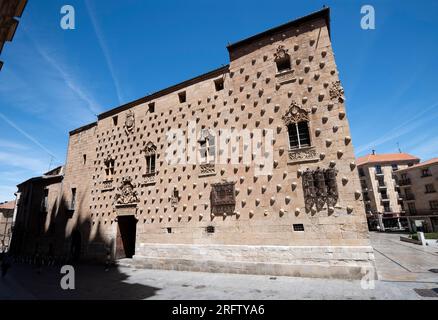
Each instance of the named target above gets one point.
<point>56,80</point>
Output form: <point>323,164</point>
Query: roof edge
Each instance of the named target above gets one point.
<point>165,91</point>
<point>323,13</point>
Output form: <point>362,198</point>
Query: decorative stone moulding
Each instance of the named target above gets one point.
<point>207,169</point>
<point>149,178</point>
<point>285,77</point>
<point>107,185</point>
<point>307,154</point>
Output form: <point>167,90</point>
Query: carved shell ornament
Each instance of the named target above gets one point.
<point>129,121</point>
<point>296,113</point>
<point>281,53</point>
<point>336,91</point>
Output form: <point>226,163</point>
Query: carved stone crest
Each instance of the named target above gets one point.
<point>281,53</point>
<point>129,121</point>
<point>320,188</point>
<point>336,91</point>
<point>126,193</point>
<point>295,114</point>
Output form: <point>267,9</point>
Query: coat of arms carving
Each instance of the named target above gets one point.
<point>336,91</point>
<point>126,193</point>
<point>130,121</point>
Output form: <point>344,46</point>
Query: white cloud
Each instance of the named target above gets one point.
<point>12,145</point>
<point>35,165</point>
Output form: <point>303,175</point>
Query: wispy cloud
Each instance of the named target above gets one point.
<point>405,127</point>
<point>33,164</point>
<point>105,51</point>
<point>25,134</point>
<point>90,103</point>
<point>12,145</point>
<point>426,149</point>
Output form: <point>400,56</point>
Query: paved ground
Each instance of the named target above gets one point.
<point>402,267</point>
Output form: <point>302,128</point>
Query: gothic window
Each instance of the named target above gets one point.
<point>297,122</point>
<point>109,166</point>
<point>282,59</point>
<point>150,152</point>
<point>207,146</point>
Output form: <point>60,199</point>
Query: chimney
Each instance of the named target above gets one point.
<point>373,152</point>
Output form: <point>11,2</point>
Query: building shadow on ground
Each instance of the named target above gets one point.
<point>62,237</point>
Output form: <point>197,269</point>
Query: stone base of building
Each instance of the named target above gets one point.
<point>342,262</point>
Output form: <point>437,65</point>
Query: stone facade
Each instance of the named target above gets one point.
<point>380,190</point>
<point>418,191</point>
<point>137,195</point>
<point>37,208</point>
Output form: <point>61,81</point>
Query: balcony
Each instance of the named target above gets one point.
<point>379,173</point>
<point>384,198</point>
<point>408,197</point>
<point>404,182</point>
<point>382,186</point>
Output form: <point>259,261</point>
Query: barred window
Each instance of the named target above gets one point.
<point>299,136</point>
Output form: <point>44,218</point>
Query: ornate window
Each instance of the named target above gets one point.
<point>297,122</point>
<point>174,199</point>
<point>150,153</point>
<point>109,166</point>
<point>223,198</point>
<point>320,188</point>
<point>207,146</point>
<point>282,59</point>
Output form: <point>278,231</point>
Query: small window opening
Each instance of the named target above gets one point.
<point>169,230</point>
<point>182,97</point>
<point>298,227</point>
<point>151,107</point>
<point>85,158</point>
<point>219,84</point>
<point>115,120</point>
<point>210,229</point>
<point>283,63</point>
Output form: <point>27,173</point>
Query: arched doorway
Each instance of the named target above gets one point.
<point>126,234</point>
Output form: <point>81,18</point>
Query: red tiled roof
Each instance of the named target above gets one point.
<point>422,164</point>
<point>386,157</point>
<point>8,205</point>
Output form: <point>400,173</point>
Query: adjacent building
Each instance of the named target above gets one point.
<point>6,224</point>
<point>248,168</point>
<point>9,11</point>
<point>418,192</point>
<point>383,205</point>
<point>37,205</point>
